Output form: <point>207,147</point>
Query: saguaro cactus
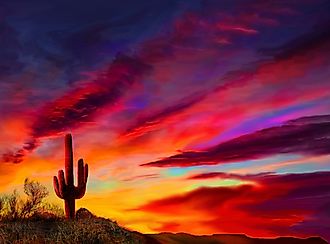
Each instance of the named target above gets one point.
<point>65,188</point>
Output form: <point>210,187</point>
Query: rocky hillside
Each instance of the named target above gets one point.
<point>89,229</point>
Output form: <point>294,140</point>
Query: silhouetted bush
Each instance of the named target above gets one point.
<point>35,194</point>
<point>13,207</point>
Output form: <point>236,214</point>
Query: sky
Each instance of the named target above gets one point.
<point>200,116</point>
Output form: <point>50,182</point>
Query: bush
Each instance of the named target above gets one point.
<point>13,207</point>
<point>2,204</point>
<point>12,203</point>
<point>35,194</point>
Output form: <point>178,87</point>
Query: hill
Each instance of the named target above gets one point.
<point>89,229</point>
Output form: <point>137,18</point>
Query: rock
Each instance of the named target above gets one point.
<point>84,213</point>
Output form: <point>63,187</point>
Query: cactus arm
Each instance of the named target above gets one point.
<point>80,174</point>
<point>62,187</point>
<point>56,187</point>
<point>86,173</point>
<point>68,160</point>
<point>79,192</point>
<point>81,188</point>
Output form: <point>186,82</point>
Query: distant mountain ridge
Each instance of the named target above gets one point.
<point>184,238</point>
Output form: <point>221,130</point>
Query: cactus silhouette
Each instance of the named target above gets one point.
<point>64,187</point>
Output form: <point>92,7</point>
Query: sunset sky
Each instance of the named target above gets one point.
<point>199,116</point>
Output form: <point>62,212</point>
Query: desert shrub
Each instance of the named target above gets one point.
<point>13,207</point>
<point>52,209</point>
<point>35,195</point>
<point>2,203</point>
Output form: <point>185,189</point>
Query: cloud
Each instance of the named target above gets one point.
<point>82,103</point>
<point>142,177</point>
<point>300,55</point>
<point>81,50</point>
<point>307,136</point>
<point>19,155</point>
<point>271,205</point>
<point>146,124</point>
<point>315,40</point>
<point>9,56</point>
<point>193,31</point>
<point>222,175</point>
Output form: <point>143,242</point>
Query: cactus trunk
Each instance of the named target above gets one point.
<point>64,186</point>
<point>70,208</point>
<point>68,160</point>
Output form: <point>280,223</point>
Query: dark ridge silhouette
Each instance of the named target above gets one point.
<point>183,238</point>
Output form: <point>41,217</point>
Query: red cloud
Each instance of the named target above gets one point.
<point>288,62</point>
<point>81,104</point>
<point>222,175</point>
<point>191,31</point>
<point>308,135</point>
<point>270,206</point>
